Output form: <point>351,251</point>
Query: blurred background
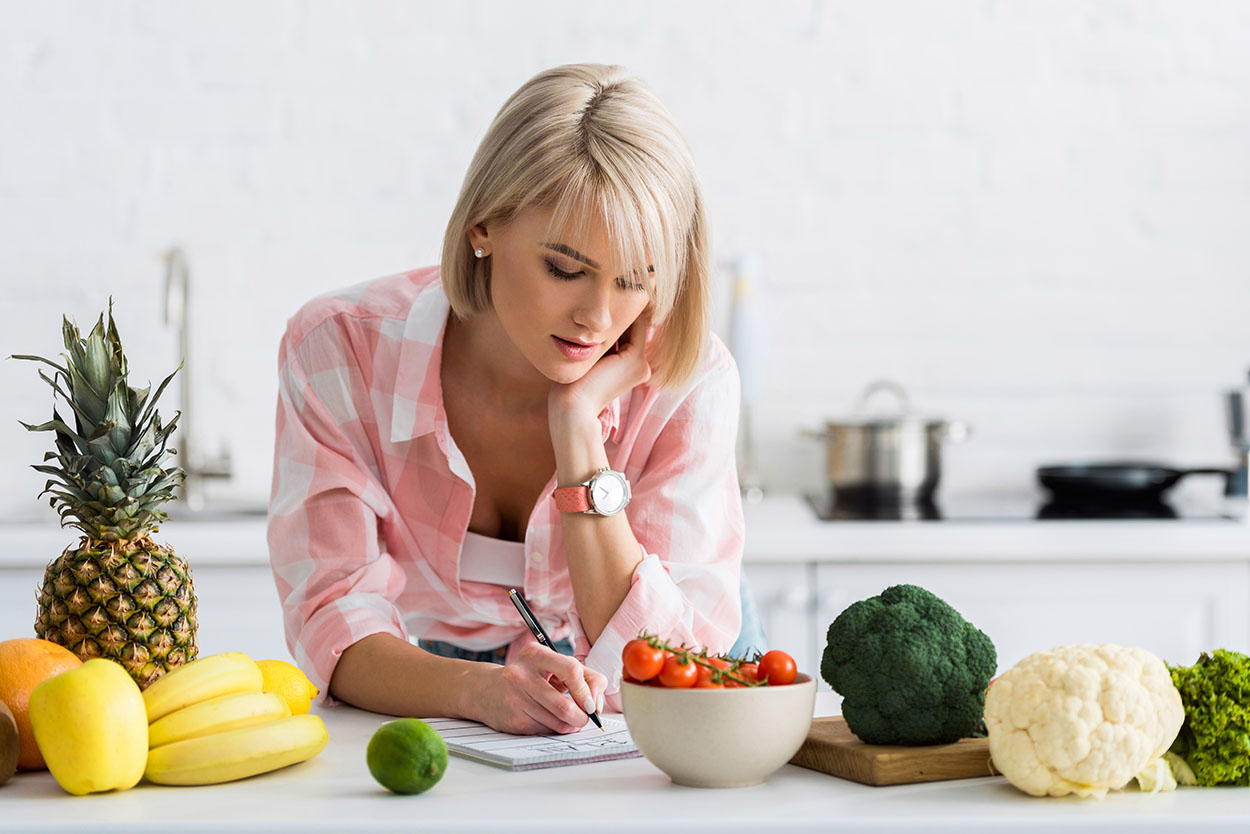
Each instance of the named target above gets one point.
<point>1033,216</point>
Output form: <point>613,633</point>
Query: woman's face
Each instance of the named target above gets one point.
<point>562,302</point>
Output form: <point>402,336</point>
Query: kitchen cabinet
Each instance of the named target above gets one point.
<point>18,606</point>
<point>238,605</point>
<point>785,599</point>
<point>1176,611</point>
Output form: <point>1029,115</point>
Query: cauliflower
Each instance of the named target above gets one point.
<point>1082,719</point>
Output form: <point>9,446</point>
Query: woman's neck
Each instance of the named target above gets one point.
<point>477,354</point>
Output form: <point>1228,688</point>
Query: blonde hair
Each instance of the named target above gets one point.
<point>584,140</point>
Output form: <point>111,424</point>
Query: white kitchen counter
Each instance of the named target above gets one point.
<point>1177,587</point>
<point>783,528</point>
<point>335,792</point>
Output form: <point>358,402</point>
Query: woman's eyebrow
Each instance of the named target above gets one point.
<point>573,253</point>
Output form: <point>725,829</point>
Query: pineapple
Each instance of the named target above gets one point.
<point>117,594</point>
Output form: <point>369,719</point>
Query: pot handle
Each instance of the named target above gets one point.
<point>956,431</point>
<point>889,385</point>
<point>829,434</point>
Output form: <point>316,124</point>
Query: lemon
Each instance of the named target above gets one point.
<point>289,684</point>
<point>407,756</point>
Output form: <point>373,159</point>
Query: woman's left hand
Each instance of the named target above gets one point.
<point>612,375</point>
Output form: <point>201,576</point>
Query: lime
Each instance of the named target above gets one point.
<point>407,756</point>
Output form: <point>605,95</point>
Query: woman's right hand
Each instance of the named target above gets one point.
<point>527,697</point>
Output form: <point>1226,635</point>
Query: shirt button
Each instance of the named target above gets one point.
<point>537,558</point>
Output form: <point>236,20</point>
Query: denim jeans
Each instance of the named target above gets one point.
<point>751,637</point>
<point>498,655</point>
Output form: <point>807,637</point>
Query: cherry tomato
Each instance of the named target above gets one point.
<point>642,662</point>
<point>777,668</point>
<point>679,675</point>
<point>705,674</point>
<point>708,685</point>
<point>749,672</point>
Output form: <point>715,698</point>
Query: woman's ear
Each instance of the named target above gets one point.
<point>479,238</point>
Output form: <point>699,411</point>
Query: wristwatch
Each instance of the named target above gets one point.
<point>606,493</point>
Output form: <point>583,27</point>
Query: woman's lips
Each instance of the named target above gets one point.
<point>575,350</point>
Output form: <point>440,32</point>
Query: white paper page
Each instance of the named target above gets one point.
<point>473,737</point>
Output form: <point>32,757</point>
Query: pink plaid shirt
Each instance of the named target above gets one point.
<point>371,497</point>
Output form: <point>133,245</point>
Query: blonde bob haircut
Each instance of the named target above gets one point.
<point>589,140</point>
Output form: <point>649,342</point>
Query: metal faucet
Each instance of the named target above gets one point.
<point>195,465</point>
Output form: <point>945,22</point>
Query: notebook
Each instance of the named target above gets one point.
<point>479,742</point>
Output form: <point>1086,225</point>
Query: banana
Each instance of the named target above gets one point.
<point>217,715</point>
<point>237,754</point>
<point>199,680</point>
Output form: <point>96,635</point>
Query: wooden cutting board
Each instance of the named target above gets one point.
<point>832,748</point>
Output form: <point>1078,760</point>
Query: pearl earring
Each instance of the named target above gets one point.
<point>481,253</point>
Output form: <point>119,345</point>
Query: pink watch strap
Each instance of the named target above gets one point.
<point>574,499</point>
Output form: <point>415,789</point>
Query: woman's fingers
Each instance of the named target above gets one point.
<point>598,685</point>
<point>555,712</point>
<point>585,687</point>
<point>521,711</point>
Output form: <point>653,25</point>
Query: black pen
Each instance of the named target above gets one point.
<point>541,636</point>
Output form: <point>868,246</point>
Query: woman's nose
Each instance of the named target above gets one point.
<point>594,310</point>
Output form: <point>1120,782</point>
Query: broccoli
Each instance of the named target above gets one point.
<point>910,669</point>
<point>1214,741</point>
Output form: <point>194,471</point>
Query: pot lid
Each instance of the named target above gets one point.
<point>902,413</point>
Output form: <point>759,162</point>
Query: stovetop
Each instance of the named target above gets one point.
<point>1011,508</point>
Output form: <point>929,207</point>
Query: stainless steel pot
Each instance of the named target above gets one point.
<point>886,459</point>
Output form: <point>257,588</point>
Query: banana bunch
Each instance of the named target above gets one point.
<point>210,722</point>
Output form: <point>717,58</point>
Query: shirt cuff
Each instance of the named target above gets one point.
<point>337,626</point>
<point>653,604</point>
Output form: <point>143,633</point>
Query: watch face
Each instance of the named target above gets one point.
<point>609,493</point>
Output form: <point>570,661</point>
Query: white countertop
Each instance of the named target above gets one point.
<point>335,792</point>
<point>783,528</point>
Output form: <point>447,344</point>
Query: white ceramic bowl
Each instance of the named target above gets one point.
<point>719,738</point>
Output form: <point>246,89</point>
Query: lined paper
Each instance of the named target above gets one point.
<point>473,740</point>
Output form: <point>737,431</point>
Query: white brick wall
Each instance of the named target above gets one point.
<point>1033,214</point>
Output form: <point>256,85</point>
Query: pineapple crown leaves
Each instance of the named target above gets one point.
<point>110,476</point>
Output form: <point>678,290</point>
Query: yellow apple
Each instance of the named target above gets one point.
<point>91,727</point>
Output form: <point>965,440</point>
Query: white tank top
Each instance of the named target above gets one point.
<point>486,559</point>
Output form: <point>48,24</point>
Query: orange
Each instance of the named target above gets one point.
<point>26,662</point>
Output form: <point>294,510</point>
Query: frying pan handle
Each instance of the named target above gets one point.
<point>1227,473</point>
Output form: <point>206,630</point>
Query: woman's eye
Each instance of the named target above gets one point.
<point>560,273</point>
<point>557,272</point>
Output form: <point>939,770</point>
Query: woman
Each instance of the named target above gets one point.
<point>449,433</point>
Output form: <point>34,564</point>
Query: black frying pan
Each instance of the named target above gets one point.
<point>1115,481</point>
